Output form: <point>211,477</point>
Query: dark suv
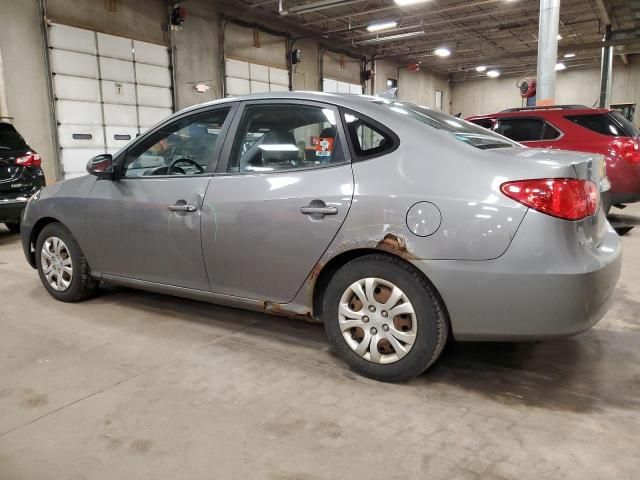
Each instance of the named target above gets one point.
<point>582,129</point>
<point>20,175</point>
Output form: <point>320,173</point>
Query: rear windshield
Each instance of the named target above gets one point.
<point>10,139</point>
<point>612,124</point>
<point>462,130</point>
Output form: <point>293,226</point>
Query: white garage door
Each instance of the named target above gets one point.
<point>243,78</point>
<point>336,86</point>
<point>107,90</point>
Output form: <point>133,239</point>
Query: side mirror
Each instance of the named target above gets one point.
<point>101,166</point>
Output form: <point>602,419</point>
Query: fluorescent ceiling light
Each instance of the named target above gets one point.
<point>389,38</point>
<point>376,27</point>
<point>279,147</point>
<point>481,68</point>
<point>442,52</point>
<point>493,73</point>
<point>404,3</point>
<point>569,55</point>
<point>560,66</point>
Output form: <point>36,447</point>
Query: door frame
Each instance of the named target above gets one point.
<point>232,132</point>
<point>121,156</point>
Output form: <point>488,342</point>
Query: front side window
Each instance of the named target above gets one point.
<point>283,137</point>
<point>184,147</point>
<point>521,129</point>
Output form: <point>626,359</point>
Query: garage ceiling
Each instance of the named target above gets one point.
<point>496,33</point>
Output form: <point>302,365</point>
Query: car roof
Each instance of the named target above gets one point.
<point>542,112</point>
<point>343,99</point>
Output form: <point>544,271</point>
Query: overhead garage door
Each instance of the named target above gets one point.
<point>107,90</point>
<point>242,78</point>
<point>336,86</point>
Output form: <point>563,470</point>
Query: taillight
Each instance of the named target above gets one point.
<point>31,159</point>
<point>627,148</point>
<point>566,198</point>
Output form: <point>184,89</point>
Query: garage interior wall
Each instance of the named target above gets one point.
<point>255,61</point>
<point>420,88</point>
<point>305,73</point>
<point>27,94</point>
<point>343,69</point>
<point>384,69</point>
<point>572,87</point>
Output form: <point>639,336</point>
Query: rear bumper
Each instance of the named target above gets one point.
<point>11,209</point>
<point>527,293</point>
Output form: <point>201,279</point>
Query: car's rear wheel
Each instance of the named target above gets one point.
<point>14,227</point>
<point>62,267</point>
<point>384,318</point>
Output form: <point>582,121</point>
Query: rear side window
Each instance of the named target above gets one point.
<point>550,132</point>
<point>521,129</point>
<point>484,123</point>
<point>10,139</point>
<point>602,123</point>
<point>367,138</point>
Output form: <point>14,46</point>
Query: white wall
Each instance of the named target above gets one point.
<point>487,95</point>
<point>420,87</point>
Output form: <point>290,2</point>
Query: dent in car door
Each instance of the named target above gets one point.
<point>261,234</point>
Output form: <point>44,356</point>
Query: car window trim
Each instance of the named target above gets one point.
<point>233,108</point>
<point>354,155</point>
<point>230,138</point>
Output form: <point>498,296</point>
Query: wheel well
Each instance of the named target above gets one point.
<point>337,262</point>
<point>35,231</point>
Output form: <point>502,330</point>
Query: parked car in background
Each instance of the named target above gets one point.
<point>20,175</point>
<point>393,224</point>
<point>582,129</point>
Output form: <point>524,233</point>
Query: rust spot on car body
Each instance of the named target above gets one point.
<point>285,310</point>
<point>395,244</point>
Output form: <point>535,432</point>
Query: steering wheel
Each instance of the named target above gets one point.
<point>190,161</point>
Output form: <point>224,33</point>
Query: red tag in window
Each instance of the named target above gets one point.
<point>324,147</point>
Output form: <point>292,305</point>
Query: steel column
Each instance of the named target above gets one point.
<point>547,51</point>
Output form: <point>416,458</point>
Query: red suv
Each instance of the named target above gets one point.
<point>582,129</point>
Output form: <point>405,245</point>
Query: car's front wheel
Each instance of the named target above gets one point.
<point>384,318</point>
<point>62,267</point>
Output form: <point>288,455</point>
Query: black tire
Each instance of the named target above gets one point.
<point>432,324</point>
<point>13,227</point>
<point>82,285</point>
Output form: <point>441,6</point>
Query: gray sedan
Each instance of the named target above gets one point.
<point>395,225</point>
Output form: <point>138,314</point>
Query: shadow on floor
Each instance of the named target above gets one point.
<point>588,372</point>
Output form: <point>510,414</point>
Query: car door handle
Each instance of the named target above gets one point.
<point>183,208</point>
<point>311,210</point>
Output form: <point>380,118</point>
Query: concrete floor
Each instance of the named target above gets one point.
<point>132,385</point>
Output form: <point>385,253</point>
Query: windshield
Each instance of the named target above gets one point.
<point>10,139</point>
<point>462,130</point>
